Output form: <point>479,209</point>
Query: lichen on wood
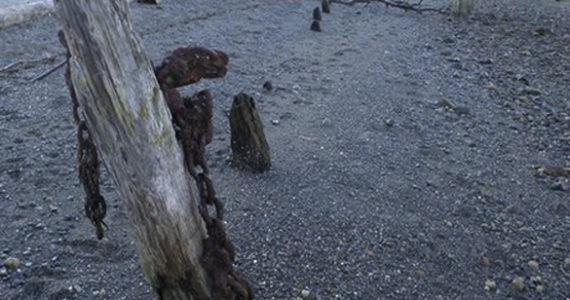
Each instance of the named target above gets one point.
<point>113,77</point>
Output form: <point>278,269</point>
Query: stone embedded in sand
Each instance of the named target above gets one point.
<point>268,86</point>
<point>517,284</point>
<point>461,110</point>
<point>12,263</point>
<point>567,263</point>
<point>557,186</point>
<point>533,264</point>
<point>444,103</point>
<point>490,285</point>
<point>531,91</point>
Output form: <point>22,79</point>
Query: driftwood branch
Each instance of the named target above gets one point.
<point>416,7</point>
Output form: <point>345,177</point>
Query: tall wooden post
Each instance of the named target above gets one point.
<point>131,127</point>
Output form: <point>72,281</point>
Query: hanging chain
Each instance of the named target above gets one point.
<point>87,159</point>
<point>192,116</point>
<point>192,119</point>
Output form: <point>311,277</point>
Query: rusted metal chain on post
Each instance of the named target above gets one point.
<point>87,159</point>
<point>193,119</point>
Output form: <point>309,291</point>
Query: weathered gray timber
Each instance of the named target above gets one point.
<point>131,126</point>
<point>461,7</point>
<point>249,147</point>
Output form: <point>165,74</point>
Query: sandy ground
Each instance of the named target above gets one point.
<point>405,150</point>
<point>13,12</point>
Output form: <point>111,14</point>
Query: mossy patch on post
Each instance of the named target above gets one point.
<point>249,146</point>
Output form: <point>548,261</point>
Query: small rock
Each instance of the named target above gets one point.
<point>317,14</point>
<point>275,122</point>
<point>316,26</point>
<point>485,61</point>
<point>53,208</point>
<point>490,285</point>
<point>12,263</point>
<point>3,272</point>
<point>389,122</point>
<point>567,263</point>
<point>268,86</point>
<point>286,116</point>
<point>517,284</point>
<point>535,280</point>
<point>490,86</point>
<point>454,60</point>
<point>540,31</point>
<point>449,40</point>
<point>485,260</point>
<point>100,294</point>
<point>522,79</point>
<point>540,289</point>
<point>558,186</point>
<point>305,293</point>
<point>532,91</point>
<point>444,103</point>
<point>461,110</point>
<point>533,264</point>
<point>75,289</point>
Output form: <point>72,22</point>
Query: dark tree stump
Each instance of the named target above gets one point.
<point>326,6</point>
<point>316,26</point>
<point>249,147</point>
<point>317,14</point>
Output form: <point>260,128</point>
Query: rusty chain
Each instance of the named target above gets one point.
<point>87,159</point>
<point>193,119</point>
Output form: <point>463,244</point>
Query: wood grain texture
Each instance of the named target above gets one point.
<point>131,126</point>
<point>249,146</point>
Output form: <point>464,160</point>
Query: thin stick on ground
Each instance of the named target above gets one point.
<point>51,70</point>
<point>26,63</point>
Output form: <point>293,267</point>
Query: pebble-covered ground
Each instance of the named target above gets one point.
<point>414,156</point>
